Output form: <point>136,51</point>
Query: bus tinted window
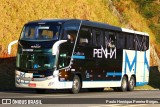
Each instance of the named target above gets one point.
<point>147,43</point>
<point>138,42</point>
<point>120,41</point>
<point>112,39</point>
<point>106,38</point>
<point>40,33</point>
<point>85,36</point>
<point>141,42</point>
<point>97,37</point>
<point>130,41</point>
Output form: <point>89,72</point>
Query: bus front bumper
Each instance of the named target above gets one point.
<point>51,82</point>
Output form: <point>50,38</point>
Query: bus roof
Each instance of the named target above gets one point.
<point>48,21</point>
<point>90,24</point>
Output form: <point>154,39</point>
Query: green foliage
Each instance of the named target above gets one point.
<point>147,12</point>
<point>143,2</point>
<point>146,7</point>
<point>157,28</point>
<point>150,9</point>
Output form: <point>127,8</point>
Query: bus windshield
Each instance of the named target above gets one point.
<point>40,33</point>
<point>36,61</point>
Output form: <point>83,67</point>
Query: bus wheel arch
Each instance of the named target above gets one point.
<point>77,84</point>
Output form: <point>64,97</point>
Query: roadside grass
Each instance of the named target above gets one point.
<point>145,87</point>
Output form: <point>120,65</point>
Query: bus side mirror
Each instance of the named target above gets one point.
<point>10,45</point>
<point>55,47</point>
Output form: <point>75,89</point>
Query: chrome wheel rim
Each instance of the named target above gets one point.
<point>76,84</point>
<point>124,83</point>
<point>131,83</point>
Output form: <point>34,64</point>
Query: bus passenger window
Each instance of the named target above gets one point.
<point>121,41</point>
<point>141,42</point>
<point>147,43</point>
<point>112,40</point>
<point>144,43</point>
<point>130,41</point>
<point>84,37</point>
<point>98,38</point>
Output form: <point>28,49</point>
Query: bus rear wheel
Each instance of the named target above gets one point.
<point>76,85</point>
<point>131,84</point>
<point>124,84</point>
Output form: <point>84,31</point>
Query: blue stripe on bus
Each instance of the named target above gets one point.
<point>78,57</point>
<point>36,75</point>
<point>113,74</point>
<point>141,83</point>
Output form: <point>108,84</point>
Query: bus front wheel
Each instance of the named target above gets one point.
<point>131,84</point>
<point>76,85</point>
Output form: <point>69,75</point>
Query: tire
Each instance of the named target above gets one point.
<point>124,84</point>
<point>95,89</point>
<point>76,85</point>
<point>40,91</point>
<point>131,84</point>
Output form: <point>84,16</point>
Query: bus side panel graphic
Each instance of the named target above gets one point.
<point>136,63</point>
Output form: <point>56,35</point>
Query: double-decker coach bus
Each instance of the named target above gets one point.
<point>74,54</point>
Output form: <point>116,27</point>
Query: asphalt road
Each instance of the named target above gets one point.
<point>97,99</point>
